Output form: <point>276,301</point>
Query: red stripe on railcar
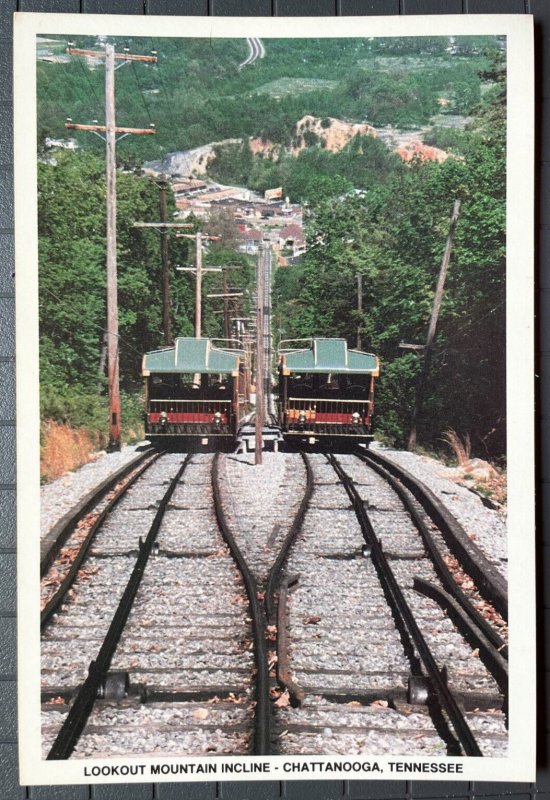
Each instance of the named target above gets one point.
<point>188,417</point>
<point>342,419</point>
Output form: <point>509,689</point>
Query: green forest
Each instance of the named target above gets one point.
<point>367,213</point>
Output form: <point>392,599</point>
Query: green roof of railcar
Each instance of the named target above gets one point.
<point>326,355</point>
<point>191,355</point>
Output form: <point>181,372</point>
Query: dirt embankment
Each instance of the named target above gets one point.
<point>64,449</point>
<point>333,134</point>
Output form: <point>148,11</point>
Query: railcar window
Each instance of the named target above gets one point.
<point>219,387</point>
<point>329,385</point>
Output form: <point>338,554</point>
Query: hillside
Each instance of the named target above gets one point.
<point>324,129</point>
<point>197,94</point>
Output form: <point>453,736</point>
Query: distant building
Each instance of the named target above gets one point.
<point>67,144</point>
<point>196,196</point>
<point>291,238</point>
<point>250,241</point>
<point>188,188</point>
<point>273,194</point>
<point>224,194</point>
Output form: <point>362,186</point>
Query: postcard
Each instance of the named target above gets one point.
<point>274,398</point>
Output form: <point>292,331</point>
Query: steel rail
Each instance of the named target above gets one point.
<point>77,717</point>
<point>401,607</point>
<point>490,656</point>
<point>55,601</point>
<point>56,538</point>
<point>272,585</point>
<point>262,732</point>
<point>491,585</point>
<point>441,568</point>
<point>284,674</point>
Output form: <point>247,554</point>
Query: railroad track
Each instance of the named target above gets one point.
<point>313,616</point>
<point>67,546</point>
<point>372,663</point>
<point>172,663</point>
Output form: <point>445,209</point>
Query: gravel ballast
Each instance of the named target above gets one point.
<point>189,630</point>
<point>59,496</point>
<point>486,527</point>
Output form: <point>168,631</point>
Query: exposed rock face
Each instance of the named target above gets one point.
<point>333,134</point>
<point>188,162</point>
<point>422,151</point>
<point>481,470</point>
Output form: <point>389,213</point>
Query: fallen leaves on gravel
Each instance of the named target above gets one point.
<point>271,633</point>
<point>283,701</point>
<point>466,583</point>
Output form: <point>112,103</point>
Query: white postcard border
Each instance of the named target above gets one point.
<point>520,764</point>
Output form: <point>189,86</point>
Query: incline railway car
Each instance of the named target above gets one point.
<point>326,391</point>
<point>194,392</point>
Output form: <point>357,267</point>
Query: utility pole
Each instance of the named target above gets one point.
<point>267,327</point>
<point>245,335</point>
<point>225,290</point>
<point>166,321</point>
<point>428,347</point>
<point>163,228</point>
<point>198,269</point>
<point>260,299</point>
<point>110,129</point>
<point>226,295</point>
<point>359,308</point>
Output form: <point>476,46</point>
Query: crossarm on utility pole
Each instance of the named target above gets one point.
<point>76,51</point>
<point>163,225</point>
<point>198,270</point>
<point>103,129</point>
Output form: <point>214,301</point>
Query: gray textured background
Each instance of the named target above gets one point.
<point>316,790</point>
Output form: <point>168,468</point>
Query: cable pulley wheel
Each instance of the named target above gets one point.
<point>115,686</point>
<point>418,690</point>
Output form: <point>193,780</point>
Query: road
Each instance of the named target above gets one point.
<point>255,50</point>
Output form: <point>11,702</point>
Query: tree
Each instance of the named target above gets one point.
<point>71,199</point>
<point>393,234</point>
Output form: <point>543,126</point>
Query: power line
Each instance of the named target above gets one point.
<point>466,327</point>
<point>141,94</point>
<point>474,322</point>
<point>51,100</point>
<point>88,80</point>
<point>167,101</point>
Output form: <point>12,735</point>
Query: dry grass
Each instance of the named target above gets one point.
<point>479,476</point>
<point>64,449</point>
<point>461,449</point>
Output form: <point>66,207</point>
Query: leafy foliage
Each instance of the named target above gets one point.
<point>369,216</point>
<point>71,197</point>
<point>394,235</point>
<point>196,93</point>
